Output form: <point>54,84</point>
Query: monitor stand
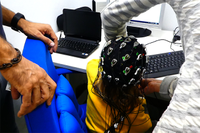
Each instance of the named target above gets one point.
<point>138,32</point>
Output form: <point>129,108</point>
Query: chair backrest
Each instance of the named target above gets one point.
<point>64,114</point>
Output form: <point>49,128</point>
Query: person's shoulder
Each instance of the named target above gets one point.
<point>93,63</point>
<point>92,68</point>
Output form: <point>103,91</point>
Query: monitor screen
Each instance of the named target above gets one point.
<point>89,28</point>
<point>150,18</point>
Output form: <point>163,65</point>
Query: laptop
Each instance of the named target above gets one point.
<point>82,31</point>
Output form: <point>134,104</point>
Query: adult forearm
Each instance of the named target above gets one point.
<point>7,52</point>
<point>115,16</point>
<point>7,16</point>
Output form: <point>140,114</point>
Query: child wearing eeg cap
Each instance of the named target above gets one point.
<point>115,98</point>
<point>116,88</point>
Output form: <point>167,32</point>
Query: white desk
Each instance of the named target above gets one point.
<point>79,64</point>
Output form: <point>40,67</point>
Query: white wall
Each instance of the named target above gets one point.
<point>169,18</point>
<point>46,11</point>
<point>43,11</point>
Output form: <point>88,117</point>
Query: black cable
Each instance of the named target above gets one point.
<point>163,40</point>
<point>158,40</point>
<point>171,46</point>
<point>175,33</point>
<point>175,38</point>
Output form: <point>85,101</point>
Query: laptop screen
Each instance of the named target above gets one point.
<point>82,24</point>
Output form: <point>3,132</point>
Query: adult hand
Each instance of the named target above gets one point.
<point>39,31</point>
<point>150,85</point>
<point>32,82</point>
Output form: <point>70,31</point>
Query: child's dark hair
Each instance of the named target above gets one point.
<point>121,68</point>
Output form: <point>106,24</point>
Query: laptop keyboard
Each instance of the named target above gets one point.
<point>83,47</point>
<point>164,64</point>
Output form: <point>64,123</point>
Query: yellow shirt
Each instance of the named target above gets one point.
<point>97,114</point>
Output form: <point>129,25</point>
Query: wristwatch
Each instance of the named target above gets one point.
<point>15,20</point>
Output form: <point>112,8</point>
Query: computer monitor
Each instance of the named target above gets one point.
<point>151,18</point>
